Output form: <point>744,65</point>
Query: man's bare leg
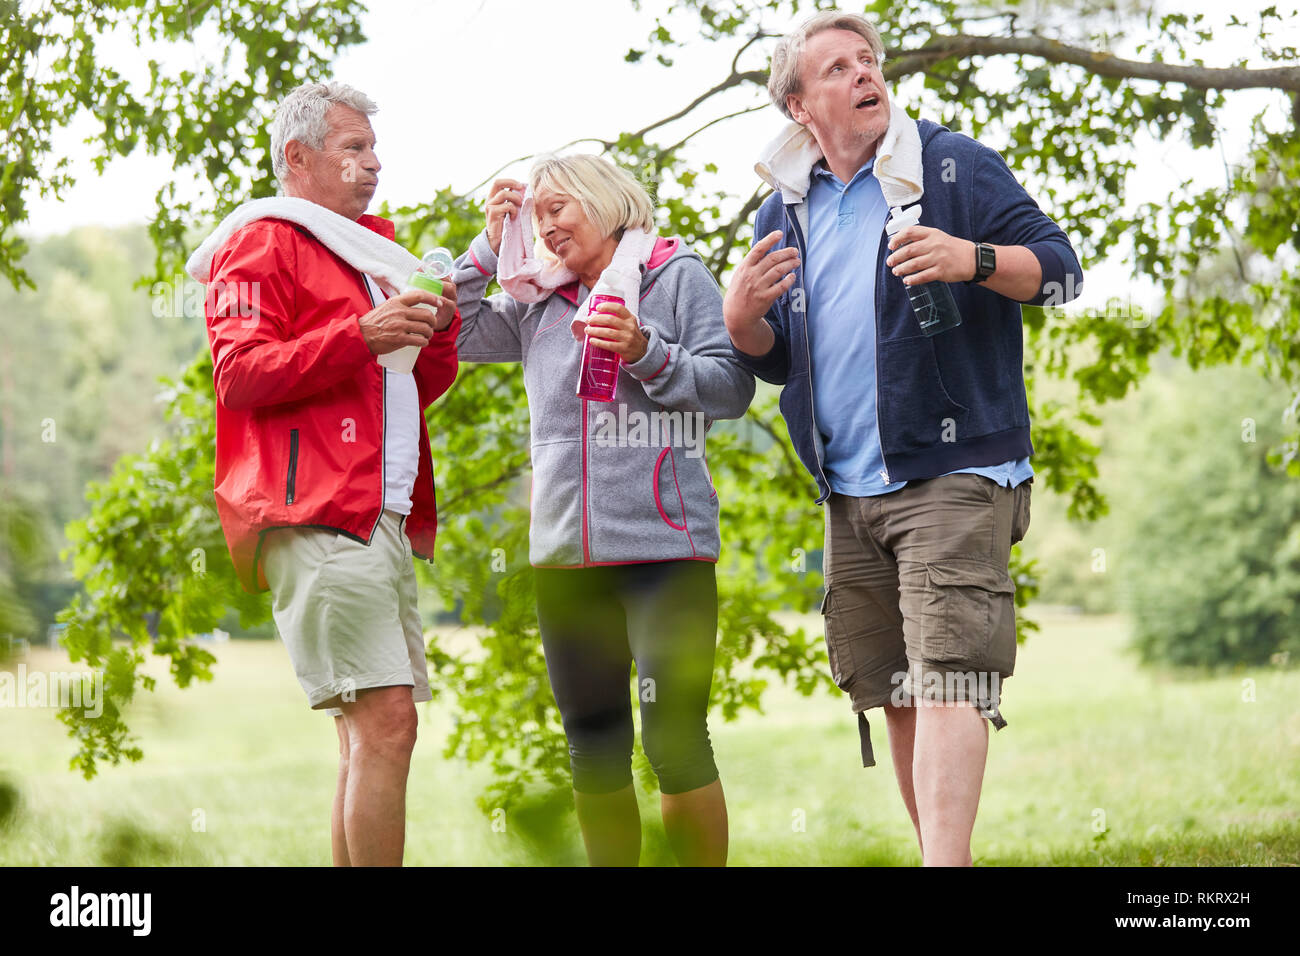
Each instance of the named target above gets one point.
<point>338,838</point>
<point>611,826</point>
<point>952,744</point>
<point>381,726</point>
<point>696,824</point>
<point>901,722</point>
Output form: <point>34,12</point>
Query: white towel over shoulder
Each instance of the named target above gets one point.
<point>382,259</point>
<point>786,162</point>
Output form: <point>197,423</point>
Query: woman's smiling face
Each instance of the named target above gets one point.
<point>570,235</point>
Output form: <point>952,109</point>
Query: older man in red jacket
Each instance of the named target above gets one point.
<point>324,479</point>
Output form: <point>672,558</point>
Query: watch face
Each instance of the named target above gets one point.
<point>986,261</point>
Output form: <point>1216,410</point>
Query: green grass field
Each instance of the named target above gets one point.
<point>1180,771</point>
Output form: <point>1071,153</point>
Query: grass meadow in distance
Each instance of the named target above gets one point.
<point>1178,770</point>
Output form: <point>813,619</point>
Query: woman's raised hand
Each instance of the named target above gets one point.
<point>504,199</point>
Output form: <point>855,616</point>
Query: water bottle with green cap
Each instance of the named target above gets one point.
<point>434,267</point>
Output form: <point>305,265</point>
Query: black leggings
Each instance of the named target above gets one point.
<point>594,623</point>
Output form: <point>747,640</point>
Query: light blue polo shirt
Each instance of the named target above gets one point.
<point>845,223</point>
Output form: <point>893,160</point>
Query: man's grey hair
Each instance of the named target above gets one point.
<point>301,116</point>
<point>784,78</point>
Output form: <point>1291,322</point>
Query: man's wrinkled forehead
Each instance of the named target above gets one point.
<point>824,47</point>
<point>346,123</point>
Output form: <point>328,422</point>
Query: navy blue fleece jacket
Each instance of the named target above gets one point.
<point>967,382</point>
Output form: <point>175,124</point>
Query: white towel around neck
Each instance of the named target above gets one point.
<point>365,250</point>
<point>787,161</point>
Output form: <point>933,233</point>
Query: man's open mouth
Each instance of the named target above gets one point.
<point>868,102</point>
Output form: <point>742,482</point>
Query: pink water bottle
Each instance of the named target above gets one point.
<point>598,378</point>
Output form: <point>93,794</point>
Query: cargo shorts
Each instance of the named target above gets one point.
<point>919,606</point>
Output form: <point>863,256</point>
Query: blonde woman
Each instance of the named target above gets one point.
<point>624,533</point>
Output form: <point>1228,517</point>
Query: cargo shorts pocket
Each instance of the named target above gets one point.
<point>1020,514</point>
<point>838,643</point>
<point>969,614</point>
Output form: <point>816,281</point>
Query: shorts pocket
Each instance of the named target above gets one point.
<point>838,643</point>
<point>1020,519</point>
<point>969,604</point>
<point>311,548</point>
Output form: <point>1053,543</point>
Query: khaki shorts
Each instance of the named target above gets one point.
<point>919,606</point>
<point>347,611</point>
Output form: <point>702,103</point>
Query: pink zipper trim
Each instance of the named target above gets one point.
<point>586,545</point>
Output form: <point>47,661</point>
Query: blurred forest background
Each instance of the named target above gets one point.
<point>1201,544</point>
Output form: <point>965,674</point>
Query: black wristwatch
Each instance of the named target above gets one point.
<point>986,262</point>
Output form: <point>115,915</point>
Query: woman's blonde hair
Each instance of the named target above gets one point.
<point>611,199</point>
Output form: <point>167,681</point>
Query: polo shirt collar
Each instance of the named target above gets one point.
<point>821,171</point>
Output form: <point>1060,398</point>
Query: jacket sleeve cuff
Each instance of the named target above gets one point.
<point>481,254</point>
<point>359,350</point>
<point>773,363</point>
<point>1062,278</point>
<point>653,362</point>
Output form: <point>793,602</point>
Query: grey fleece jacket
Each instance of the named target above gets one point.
<point>622,481</point>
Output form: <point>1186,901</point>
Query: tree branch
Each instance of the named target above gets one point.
<point>735,60</point>
<point>446,509</point>
<point>795,467</point>
<point>718,261</point>
<point>689,136</point>
<point>606,144</point>
<point>1100,63</point>
<point>735,79</point>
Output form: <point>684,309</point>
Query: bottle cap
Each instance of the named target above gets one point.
<point>614,281</point>
<point>900,218</point>
<point>437,263</point>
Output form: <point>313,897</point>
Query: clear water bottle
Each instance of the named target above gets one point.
<point>932,302</point>
<point>435,266</point>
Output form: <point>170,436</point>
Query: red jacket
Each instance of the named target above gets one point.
<point>300,399</point>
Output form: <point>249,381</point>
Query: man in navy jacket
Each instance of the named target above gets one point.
<point>919,444</point>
